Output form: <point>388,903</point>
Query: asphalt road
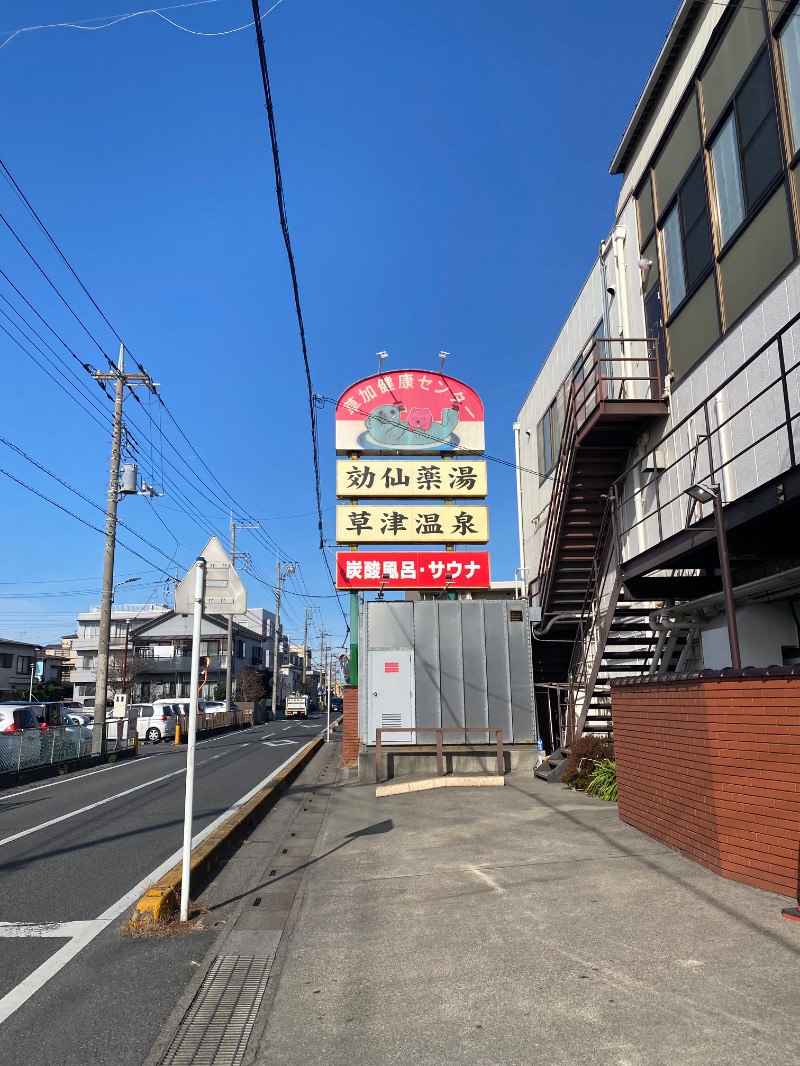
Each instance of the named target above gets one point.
<point>75,853</point>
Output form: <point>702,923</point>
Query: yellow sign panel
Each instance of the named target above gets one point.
<point>433,523</point>
<point>370,478</point>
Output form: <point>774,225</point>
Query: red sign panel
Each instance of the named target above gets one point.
<point>412,570</point>
<point>391,668</point>
<point>411,411</point>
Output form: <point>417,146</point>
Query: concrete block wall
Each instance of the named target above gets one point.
<point>350,743</point>
<point>710,766</point>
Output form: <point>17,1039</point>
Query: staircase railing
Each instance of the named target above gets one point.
<point>561,478</point>
<point>597,615</point>
<point>595,377</point>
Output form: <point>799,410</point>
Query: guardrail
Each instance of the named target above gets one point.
<point>501,768</point>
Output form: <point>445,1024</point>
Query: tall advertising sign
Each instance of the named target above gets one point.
<point>410,504</point>
<point>410,412</point>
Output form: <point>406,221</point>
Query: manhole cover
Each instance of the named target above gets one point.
<point>218,1024</point>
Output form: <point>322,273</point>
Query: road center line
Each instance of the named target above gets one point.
<point>40,976</point>
<point>102,802</point>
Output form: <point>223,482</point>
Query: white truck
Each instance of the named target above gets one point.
<point>297,706</point>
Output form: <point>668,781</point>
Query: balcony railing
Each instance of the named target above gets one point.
<point>172,664</point>
<point>743,435</point>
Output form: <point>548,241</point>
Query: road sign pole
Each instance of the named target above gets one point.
<point>199,593</point>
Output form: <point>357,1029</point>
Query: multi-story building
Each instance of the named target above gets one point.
<point>17,661</point>
<point>674,383</point>
<point>151,648</point>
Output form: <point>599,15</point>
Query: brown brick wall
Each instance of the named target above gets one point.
<point>710,766</point>
<point>350,726</point>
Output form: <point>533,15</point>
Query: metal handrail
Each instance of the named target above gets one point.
<point>589,382</point>
<point>439,731</point>
<point>713,435</point>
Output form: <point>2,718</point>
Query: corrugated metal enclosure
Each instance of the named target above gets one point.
<point>455,664</point>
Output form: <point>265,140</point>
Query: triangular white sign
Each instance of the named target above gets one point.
<point>224,591</point>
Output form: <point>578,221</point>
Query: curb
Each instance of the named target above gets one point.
<point>161,902</point>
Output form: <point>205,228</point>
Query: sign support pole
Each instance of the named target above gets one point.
<point>354,638</point>
<point>199,595</point>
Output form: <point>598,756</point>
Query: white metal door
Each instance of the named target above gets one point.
<point>391,695</point>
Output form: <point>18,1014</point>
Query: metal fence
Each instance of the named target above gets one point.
<point>26,748</point>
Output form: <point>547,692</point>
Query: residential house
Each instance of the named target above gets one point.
<point>17,662</point>
<point>151,649</point>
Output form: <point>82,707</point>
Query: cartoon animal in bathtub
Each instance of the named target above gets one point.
<point>388,429</point>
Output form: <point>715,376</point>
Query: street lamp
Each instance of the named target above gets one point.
<point>710,493</point>
<point>127,581</point>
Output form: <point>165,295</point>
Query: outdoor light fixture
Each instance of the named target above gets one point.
<point>710,493</point>
<point>703,493</point>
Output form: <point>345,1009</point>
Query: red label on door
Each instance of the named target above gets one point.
<point>391,668</point>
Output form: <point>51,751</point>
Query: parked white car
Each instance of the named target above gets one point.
<point>155,721</point>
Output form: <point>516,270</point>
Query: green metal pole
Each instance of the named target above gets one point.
<point>353,638</point>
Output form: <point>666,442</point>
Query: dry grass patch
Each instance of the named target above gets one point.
<point>144,926</point>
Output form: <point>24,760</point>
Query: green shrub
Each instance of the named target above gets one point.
<point>584,755</point>
<point>603,782</point>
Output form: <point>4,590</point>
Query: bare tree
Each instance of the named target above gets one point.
<point>122,673</point>
<point>251,683</point>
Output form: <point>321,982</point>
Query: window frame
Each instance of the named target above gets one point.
<point>776,31</point>
<point>712,136</point>
<point>664,215</point>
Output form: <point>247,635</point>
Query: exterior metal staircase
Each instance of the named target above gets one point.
<point>609,402</point>
<point>608,406</point>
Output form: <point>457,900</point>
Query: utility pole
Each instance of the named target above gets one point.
<point>121,380</point>
<point>229,663</point>
<point>320,686</point>
<point>281,568</point>
<point>304,688</point>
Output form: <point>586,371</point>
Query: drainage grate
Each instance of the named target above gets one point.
<point>218,1024</point>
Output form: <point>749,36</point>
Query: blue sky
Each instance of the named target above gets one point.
<point>445,169</point>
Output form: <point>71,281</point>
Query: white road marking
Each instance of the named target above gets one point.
<point>485,877</point>
<point>40,976</point>
<point>102,802</point>
<point>280,742</point>
<point>49,929</point>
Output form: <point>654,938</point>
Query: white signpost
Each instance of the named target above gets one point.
<point>211,584</point>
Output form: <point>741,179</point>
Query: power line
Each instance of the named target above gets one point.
<point>284,222</point>
<point>86,499</point>
<point>443,445</point>
<point>83,521</point>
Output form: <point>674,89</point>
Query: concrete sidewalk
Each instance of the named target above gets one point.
<point>517,925</point>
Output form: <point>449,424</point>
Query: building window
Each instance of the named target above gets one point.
<point>240,649</point>
<point>686,238</point>
<point>6,661</point>
<point>23,664</point>
<point>90,631</point>
<point>746,153</point>
<point>548,434</point>
<point>790,50</point>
